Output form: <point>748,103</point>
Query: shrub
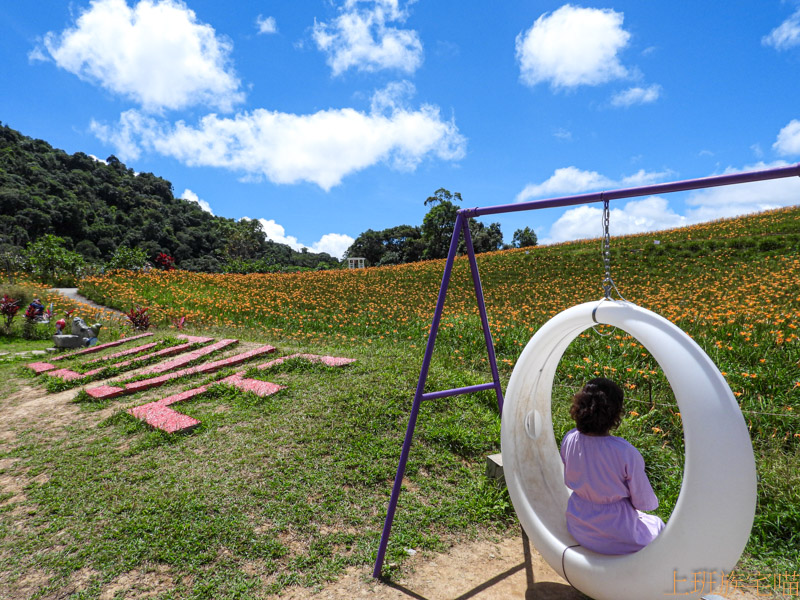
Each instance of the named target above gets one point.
<point>138,318</point>
<point>9,308</point>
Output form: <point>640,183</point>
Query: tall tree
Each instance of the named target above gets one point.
<point>438,224</point>
<point>524,238</point>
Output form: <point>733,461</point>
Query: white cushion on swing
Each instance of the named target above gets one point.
<point>711,522</point>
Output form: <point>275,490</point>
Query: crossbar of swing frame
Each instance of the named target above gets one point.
<point>462,226</point>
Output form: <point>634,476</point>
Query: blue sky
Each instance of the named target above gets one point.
<point>325,118</point>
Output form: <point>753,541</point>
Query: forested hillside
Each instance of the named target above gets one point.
<point>99,206</point>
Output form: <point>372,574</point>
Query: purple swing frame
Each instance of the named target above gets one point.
<point>462,226</point>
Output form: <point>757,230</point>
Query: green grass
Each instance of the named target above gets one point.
<point>292,489</point>
<point>286,490</point>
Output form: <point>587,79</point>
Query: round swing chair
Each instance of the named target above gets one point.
<point>711,522</point>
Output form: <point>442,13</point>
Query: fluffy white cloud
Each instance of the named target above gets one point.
<point>636,95</point>
<point>360,38</point>
<point>648,214</point>
<point>334,244</point>
<point>786,35</point>
<point>192,197</point>
<point>277,233</point>
<point>573,46</point>
<point>654,213</point>
<point>571,180</point>
<point>320,148</point>
<point>266,24</point>
<point>156,53</point>
<point>735,200</point>
<point>788,142</point>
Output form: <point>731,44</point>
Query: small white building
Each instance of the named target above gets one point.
<point>355,263</point>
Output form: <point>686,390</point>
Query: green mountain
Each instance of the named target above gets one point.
<point>97,206</point>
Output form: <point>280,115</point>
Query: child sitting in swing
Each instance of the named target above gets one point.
<point>607,477</point>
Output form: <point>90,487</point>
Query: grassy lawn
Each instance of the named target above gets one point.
<point>292,489</point>
<point>266,493</point>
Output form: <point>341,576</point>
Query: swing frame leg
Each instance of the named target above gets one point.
<point>461,226</point>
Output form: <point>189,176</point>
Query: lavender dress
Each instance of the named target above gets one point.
<point>610,489</point>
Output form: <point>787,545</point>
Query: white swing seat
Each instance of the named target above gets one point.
<point>711,522</point>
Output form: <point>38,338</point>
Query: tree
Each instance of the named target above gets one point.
<point>524,238</point>
<point>131,259</point>
<point>245,239</point>
<point>438,224</point>
<point>49,260</point>
<point>484,239</point>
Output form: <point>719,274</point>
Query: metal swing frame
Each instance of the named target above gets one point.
<point>462,227</point>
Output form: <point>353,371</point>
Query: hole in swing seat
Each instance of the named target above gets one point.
<point>533,424</point>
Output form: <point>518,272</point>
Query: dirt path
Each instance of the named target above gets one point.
<point>73,294</point>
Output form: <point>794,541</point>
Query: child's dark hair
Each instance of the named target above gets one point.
<point>597,408</point>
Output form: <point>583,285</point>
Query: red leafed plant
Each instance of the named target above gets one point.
<point>179,323</point>
<point>9,308</point>
<point>31,315</point>
<point>138,318</point>
<point>165,261</point>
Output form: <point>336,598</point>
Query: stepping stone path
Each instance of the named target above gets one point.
<point>159,415</point>
<point>69,375</point>
<point>41,367</point>
<point>104,392</point>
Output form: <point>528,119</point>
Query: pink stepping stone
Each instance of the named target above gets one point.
<point>65,374</point>
<point>159,415</point>
<point>256,386</point>
<point>41,367</point>
<point>194,339</point>
<point>105,392</point>
<point>265,388</point>
<point>184,360</point>
<point>331,361</point>
<point>122,354</point>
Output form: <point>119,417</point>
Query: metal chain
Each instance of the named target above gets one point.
<point>607,282</point>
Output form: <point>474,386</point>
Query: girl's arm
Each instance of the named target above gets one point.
<point>642,495</point>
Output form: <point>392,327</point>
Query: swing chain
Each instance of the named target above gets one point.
<point>607,282</point>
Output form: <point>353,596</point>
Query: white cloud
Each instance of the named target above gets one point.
<point>156,54</point>
<point>647,214</point>
<point>788,141</point>
<point>334,244</point>
<point>571,180</point>
<point>735,200</point>
<point>266,25</point>
<point>360,38</point>
<point>786,35</point>
<point>654,213</point>
<point>277,233</point>
<point>573,46</point>
<point>563,134</point>
<point>192,197</point>
<point>320,148</point>
<point>636,95</point>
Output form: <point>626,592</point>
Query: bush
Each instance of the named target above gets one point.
<point>138,318</point>
<point>130,259</point>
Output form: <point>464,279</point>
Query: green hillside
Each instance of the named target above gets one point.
<point>98,206</point>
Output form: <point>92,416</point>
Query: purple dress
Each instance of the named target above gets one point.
<point>610,489</point>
